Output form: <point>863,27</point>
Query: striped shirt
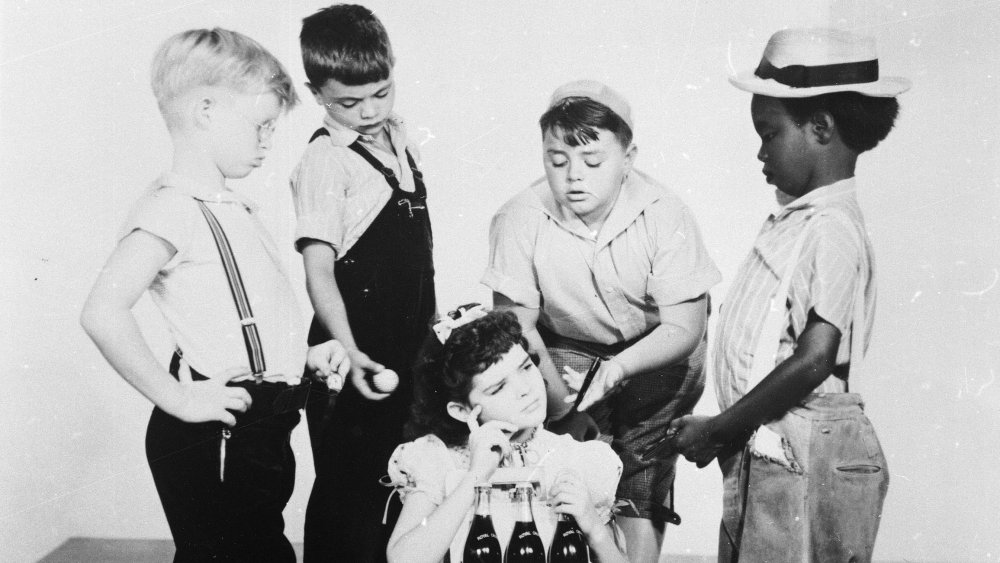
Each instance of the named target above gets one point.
<point>337,193</point>
<point>836,255</point>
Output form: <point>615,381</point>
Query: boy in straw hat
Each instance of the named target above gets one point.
<point>804,475</point>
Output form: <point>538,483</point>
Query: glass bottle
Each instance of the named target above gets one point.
<point>482,544</point>
<point>525,545</point>
<point>569,545</point>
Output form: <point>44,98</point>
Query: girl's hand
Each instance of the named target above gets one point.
<point>569,495</point>
<point>606,381</point>
<point>330,362</point>
<point>488,444</point>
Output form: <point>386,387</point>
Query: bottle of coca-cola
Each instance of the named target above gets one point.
<point>525,545</point>
<point>482,544</point>
<point>569,545</point>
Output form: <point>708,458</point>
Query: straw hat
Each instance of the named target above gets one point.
<point>798,63</point>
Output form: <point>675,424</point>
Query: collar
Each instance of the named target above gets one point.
<point>203,192</point>
<point>531,436</point>
<point>795,213</point>
<point>820,197</point>
<point>343,136</point>
<point>637,194</point>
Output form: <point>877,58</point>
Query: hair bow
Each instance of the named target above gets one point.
<point>461,316</point>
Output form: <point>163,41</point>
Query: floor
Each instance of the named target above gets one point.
<point>108,550</point>
<point>111,550</point>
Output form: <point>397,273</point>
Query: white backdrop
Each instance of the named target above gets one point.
<point>80,137</point>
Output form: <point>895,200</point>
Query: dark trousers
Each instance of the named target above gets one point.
<point>351,447</point>
<point>240,518</point>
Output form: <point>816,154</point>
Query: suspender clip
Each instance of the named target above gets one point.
<point>410,206</point>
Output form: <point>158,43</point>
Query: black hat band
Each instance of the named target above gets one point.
<point>801,76</point>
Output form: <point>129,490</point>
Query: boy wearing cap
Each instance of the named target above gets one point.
<point>804,475</point>
<point>600,261</point>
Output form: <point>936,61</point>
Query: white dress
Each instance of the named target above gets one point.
<point>429,466</point>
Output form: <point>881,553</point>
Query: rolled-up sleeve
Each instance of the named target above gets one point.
<point>511,271</point>
<point>682,268</point>
<point>319,188</point>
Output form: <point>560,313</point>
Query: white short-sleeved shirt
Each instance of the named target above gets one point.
<point>192,292</point>
<point>835,257</point>
<point>649,253</point>
<point>338,193</point>
<point>429,466</point>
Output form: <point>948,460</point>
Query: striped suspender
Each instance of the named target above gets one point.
<point>250,335</point>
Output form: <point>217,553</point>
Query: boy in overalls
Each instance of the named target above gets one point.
<point>365,237</point>
<point>804,475</point>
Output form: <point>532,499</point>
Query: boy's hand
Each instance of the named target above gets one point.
<point>210,400</point>
<point>330,362</point>
<point>606,381</point>
<point>361,366</point>
<point>488,444</point>
<point>692,436</point>
<point>569,495</point>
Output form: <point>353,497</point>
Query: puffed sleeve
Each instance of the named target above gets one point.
<point>319,190</point>
<point>511,271</point>
<point>168,214</point>
<point>604,469</point>
<point>835,271</point>
<point>421,465</point>
<point>681,267</point>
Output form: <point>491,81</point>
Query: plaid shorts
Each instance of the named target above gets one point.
<point>638,415</point>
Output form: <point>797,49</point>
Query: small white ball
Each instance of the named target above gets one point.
<point>385,381</point>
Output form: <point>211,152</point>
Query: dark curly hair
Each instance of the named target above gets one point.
<point>863,121</point>
<point>445,373</point>
<point>578,118</point>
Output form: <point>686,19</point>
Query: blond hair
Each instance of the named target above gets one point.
<point>217,57</point>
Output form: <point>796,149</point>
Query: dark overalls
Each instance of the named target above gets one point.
<point>387,283</point>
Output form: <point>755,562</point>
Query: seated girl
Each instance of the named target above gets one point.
<point>479,398</point>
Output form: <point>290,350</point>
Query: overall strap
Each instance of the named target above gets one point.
<point>390,176</point>
<point>251,337</point>
<point>858,323</point>
<point>769,339</point>
<point>419,189</point>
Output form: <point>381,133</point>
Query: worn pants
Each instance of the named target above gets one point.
<point>240,518</point>
<point>826,507</point>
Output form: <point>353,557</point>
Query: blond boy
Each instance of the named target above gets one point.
<point>218,438</point>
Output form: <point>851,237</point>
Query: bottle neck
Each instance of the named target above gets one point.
<point>482,501</point>
<point>523,500</point>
